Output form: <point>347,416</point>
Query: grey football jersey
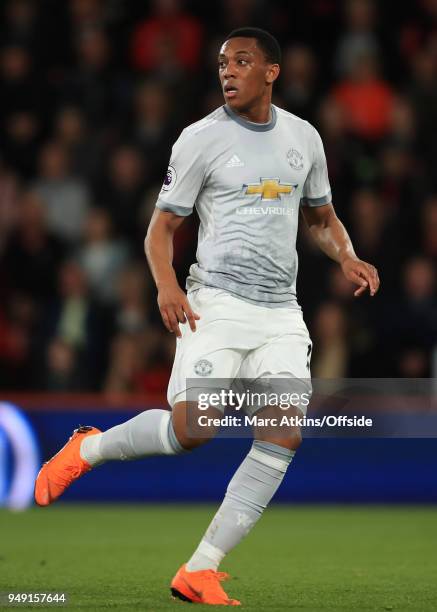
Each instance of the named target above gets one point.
<point>247,181</point>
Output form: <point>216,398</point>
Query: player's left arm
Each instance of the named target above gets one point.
<point>332,238</point>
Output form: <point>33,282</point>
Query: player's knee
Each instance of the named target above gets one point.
<point>189,441</point>
<point>288,436</point>
<point>189,430</point>
<point>291,439</point>
<point>190,444</point>
<point>295,440</point>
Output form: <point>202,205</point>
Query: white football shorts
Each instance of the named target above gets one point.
<point>235,339</point>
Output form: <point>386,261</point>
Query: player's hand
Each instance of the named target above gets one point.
<point>175,308</point>
<point>361,273</point>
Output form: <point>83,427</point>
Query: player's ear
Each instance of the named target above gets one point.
<point>272,73</point>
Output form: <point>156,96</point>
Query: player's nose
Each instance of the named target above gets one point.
<point>229,71</point>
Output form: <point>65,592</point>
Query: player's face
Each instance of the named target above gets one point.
<point>245,75</point>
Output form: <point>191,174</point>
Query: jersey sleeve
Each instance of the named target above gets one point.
<point>184,178</point>
<point>317,191</point>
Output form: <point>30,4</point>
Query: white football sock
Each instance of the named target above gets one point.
<point>250,490</point>
<point>149,433</point>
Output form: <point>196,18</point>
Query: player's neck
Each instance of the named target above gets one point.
<point>261,112</point>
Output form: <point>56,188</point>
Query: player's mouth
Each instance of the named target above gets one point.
<point>230,91</point>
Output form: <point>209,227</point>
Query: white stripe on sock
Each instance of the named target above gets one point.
<point>273,462</point>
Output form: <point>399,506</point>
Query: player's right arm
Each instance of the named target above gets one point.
<point>158,245</point>
<point>182,184</point>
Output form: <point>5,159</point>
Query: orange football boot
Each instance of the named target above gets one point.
<point>63,468</point>
<point>201,587</point>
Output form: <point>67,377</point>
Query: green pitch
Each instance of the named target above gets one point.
<point>304,558</point>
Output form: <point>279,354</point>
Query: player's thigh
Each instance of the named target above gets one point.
<point>200,369</point>
<point>286,355</point>
<point>211,356</point>
<point>281,368</point>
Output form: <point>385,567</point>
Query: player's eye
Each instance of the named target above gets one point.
<point>242,62</point>
<point>221,64</point>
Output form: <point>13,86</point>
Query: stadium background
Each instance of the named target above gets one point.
<point>93,94</point>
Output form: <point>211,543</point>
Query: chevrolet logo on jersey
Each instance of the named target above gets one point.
<point>269,189</point>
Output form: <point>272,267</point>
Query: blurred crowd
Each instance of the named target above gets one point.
<point>94,93</point>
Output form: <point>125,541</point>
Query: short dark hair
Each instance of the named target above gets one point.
<point>265,41</point>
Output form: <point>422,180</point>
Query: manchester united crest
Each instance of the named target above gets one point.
<point>295,159</point>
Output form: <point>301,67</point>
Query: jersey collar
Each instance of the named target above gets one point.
<point>250,125</point>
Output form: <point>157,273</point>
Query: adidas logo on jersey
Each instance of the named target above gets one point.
<point>234,162</point>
